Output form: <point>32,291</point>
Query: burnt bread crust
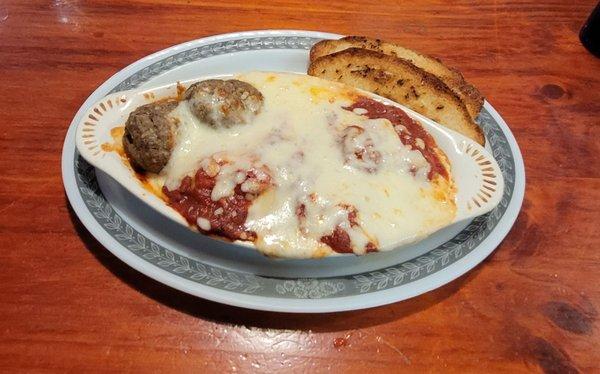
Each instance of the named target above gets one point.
<point>400,81</point>
<point>472,98</point>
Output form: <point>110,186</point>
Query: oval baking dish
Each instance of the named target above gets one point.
<point>477,177</point>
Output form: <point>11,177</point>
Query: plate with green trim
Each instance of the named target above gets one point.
<point>214,270</point>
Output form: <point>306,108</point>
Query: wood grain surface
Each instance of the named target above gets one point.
<point>66,304</point>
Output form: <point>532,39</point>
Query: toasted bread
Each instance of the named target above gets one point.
<point>400,81</point>
<point>453,79</point>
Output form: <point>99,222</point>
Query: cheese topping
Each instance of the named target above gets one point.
<point>311,167</point>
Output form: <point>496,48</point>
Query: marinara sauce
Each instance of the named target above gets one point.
<point>414,131</point>
<point>226,216</point>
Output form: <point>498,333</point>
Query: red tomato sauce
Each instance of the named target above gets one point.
<point>409,137</point>
<point>338,240</point>
<point>192,199</point>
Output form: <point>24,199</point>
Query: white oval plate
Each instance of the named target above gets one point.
<point>180,258</point>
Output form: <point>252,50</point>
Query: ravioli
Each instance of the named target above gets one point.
<point>321,169</point>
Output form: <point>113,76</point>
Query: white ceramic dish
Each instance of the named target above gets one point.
<point>478,178</point>
<point>180,258</point>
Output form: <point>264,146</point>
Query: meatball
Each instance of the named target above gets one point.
<point>223,103</point>
<point>149,136</point>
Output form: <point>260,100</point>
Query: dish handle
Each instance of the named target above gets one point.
<point>486,184</point>
<point>97,130</point>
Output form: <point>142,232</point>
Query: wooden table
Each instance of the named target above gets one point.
<point>67,304</point>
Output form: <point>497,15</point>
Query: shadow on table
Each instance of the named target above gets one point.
<point>221,313</point>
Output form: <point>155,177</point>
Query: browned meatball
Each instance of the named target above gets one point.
<point>224,103</point>
<point>149,136</point>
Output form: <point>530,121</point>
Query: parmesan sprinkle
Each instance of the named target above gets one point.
<point>203,223</point>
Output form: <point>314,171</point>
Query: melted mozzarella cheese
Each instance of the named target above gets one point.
<point>320,156</point>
